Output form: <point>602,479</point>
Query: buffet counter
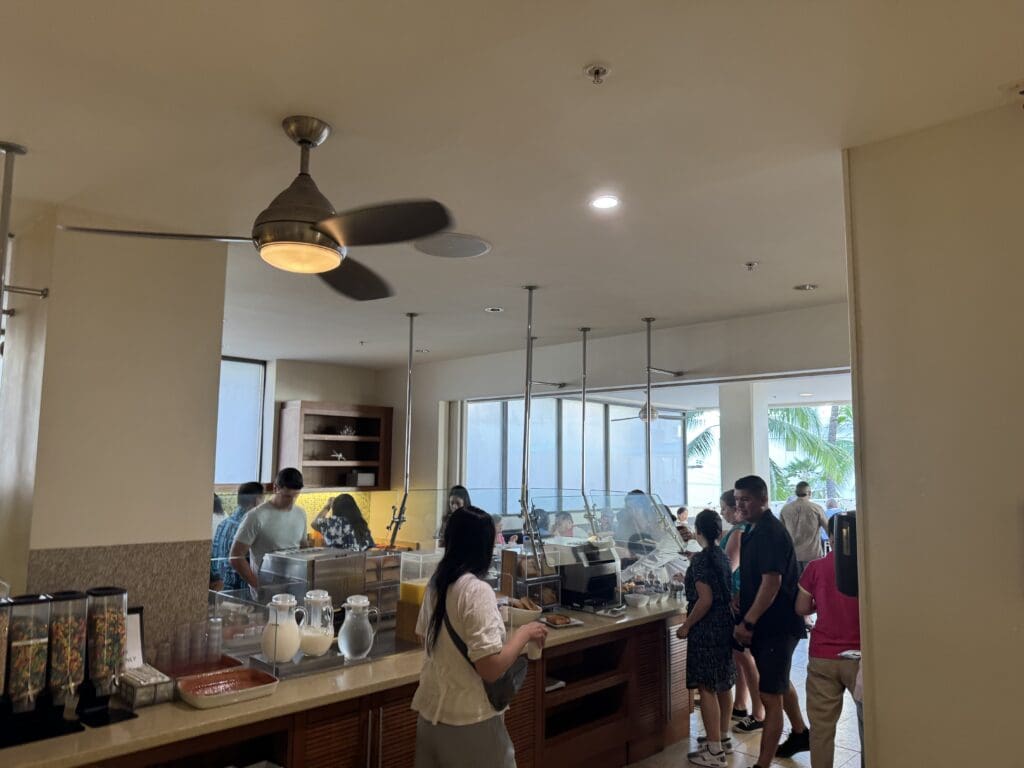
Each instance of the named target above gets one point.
<point>621,676</point>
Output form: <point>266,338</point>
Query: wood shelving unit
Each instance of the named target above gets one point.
<point>311,436</point>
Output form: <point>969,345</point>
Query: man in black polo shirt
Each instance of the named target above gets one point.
<point>769,623</point>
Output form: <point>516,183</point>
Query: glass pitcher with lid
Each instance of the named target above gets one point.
<point>355,638</point>
<point>317,625</point>
<point>281,637</point>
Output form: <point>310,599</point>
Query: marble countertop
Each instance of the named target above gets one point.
<point>168,723</point>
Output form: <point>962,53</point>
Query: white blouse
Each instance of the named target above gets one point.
<point>450,690</point>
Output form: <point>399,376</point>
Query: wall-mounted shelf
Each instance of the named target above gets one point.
<point>343,438</point>
<point>312,434</point>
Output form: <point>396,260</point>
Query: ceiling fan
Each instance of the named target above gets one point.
<point>301,232</point>
<point>648,412</point>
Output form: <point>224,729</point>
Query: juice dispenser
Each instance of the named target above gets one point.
<point>416,570</point>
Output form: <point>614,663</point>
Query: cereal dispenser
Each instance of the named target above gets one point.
<point>28,639</point>
<point>67,645</point>
<point>108,620</point>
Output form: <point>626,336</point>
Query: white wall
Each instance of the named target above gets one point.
<point>743,430</point>
<point>128,407</point>
<point>800,340</point>
<point>20,389</point>
<point>938,374</point>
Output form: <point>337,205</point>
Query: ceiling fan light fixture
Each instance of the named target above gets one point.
<point>304,258</point>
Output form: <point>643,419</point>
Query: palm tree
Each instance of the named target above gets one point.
<point>701,436</point>
<point>827,446</point>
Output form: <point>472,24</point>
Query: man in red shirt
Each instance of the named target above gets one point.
<point>837,630</point>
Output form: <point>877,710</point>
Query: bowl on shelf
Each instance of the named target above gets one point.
<point>637,601</point>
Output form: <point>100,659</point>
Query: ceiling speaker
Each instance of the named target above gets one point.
<point>453,245</point>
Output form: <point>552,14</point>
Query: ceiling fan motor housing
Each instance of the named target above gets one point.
<point>291,215</point>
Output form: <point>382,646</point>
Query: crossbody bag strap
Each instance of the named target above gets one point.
<point>458,641</point>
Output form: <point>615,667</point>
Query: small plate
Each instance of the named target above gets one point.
<point>229,686</point>
<point>572,622</point>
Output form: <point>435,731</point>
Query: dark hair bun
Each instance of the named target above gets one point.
<point>709,525</point>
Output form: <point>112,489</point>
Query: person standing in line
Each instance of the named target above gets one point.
<point>345,527</point>
<point>274,525</point>
<point>805,522</point>
<point>458,497</point>
<point>563,525</point>
<point>769,624</point>
<point>708,634</point>
<point>249,496</point>
<point>218,513</point>
<point>752,719</point>
<point>458,727</point>
<point>829,675</point>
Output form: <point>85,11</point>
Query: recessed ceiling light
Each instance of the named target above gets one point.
<point>422,350</point>
<point>806,394</point>
<point>494,309</point>
<point>806,287</point>
<point>604,202</point>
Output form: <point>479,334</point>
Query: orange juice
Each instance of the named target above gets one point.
<point>413,591</point>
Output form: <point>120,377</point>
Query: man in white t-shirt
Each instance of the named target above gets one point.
<point>274,525</point>
<point>805,521</point>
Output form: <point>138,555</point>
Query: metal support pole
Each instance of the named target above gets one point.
<point>10,151</point>
<point>583,419</point>
<point>524,489</point>
<point>587,510</point>
<point>647,420</point>
<point>398,515</point>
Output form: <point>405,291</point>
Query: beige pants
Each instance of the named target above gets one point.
<point>827,681</point>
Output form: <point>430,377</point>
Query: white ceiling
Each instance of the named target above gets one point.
<point>793,390</point>
<point>720,127</point>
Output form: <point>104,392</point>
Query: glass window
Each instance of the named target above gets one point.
<point>572,412</point>
<point>667,457</point>
<point>627,465</point>
<point>484,431</point>
<point>703,459</point>
<point>627,453</point>
<point>814,444</point>
<point>239,421</point>
<point>543,449</point>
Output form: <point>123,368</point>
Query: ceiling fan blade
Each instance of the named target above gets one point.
<point>386,223</point>
<point>357,282</point>
<point>154,235</point>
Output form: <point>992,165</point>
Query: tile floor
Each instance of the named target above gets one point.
<point>745,746</point>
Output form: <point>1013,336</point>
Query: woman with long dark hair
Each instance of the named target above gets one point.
<point>458,726</point>
<point>346,527</point>
<point>708,632</point>
<point>458,497</point>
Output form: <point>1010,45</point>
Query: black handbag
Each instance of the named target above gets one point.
<point>501,692</point>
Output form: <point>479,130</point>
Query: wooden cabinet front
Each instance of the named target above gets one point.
<point>622,701</point>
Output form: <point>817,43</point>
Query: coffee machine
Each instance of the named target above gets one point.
<point>591,575</point>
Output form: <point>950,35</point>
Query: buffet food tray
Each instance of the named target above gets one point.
<point>229,686</point>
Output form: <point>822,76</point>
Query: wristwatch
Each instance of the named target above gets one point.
<point>748,625</point>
